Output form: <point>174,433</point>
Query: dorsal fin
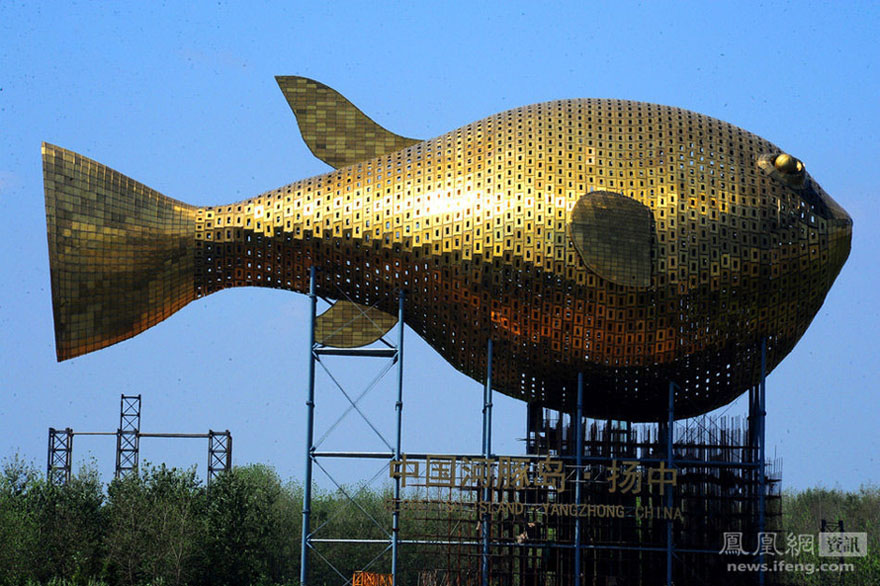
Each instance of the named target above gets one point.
<point>614,235</point>
<point>334,129</point>
<point>351,325</point>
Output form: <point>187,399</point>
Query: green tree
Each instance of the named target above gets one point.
<point>251,520</point>
<point>19,529</point>
<point>127,535</point>
<point>70,519</point>
<point>176,500</point>
<point>155,525</point>
<point>860,512</point>
<point>49,531</point>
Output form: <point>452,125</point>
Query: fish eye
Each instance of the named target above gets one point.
<point>788,165</point>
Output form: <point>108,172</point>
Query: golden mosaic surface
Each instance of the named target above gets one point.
<point>336,131</point>
<point>634,242</point>
<point>348,325</point>
<point>122,255</point>
<point>614,236</point>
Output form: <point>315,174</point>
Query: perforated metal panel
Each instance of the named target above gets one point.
<point>474,225</point>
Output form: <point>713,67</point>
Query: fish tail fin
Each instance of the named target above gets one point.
<point>121,255</point>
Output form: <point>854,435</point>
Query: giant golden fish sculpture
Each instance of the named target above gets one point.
<point>636,243</point>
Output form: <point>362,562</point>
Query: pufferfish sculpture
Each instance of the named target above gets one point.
<point>635,243</point>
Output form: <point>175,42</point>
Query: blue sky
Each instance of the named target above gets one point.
<point>182,98</point>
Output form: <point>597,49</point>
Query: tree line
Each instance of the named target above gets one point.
<point>155,527</point>
<point>163,526</point>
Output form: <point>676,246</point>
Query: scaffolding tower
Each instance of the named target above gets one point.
<point>60,455</point>
<point>128,436</point>
<point>724,485</point>
<point>386,532</point>
<point>219,453</point>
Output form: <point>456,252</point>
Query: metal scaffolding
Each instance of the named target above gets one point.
<point>722,485</point>
<point>128,437</point>
<point>219,453</point>
<point>60,455</point>
<point>389,534</point>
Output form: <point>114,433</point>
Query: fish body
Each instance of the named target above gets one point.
<point>637,244</point>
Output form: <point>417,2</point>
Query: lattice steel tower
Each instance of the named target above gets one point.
<point>128,435</point>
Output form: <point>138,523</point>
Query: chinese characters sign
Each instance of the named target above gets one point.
<point>504,472</point>
<point>443,471</point>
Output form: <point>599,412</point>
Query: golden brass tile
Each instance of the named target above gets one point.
<point>632,242</point>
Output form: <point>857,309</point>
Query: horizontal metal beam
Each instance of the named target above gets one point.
<point>375,455</point>
<point>341,540</point>
<point>178,435</point>
<point>366,352</point>
<point>542,545</point>
<point>140,434</point>
<point>92,433</point>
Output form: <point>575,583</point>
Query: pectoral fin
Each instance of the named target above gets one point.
<point>350,325</point>
<point>614,235</point>
<point>335,130</point>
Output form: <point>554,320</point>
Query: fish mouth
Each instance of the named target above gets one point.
<point>840,241</point>
<point>840,225</point>
<point>840,219</point>
<point>824,204</point>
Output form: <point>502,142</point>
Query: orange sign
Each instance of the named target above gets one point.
<point>370,579</point>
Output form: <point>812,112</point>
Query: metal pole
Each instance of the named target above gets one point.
<point>310,437</point>
<point>210,456</point>
<point>49,455</point>
<point>487,450</point>
<point>228,450</point>
<point>669,458</point>
<point>753,444</point>
<point>579,474</point>
<point>488,403</point>
<point>398,408</point>
<point>68,458</point>
<point>762,481</point>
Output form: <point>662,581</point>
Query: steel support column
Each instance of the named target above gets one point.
<point>398,409</point>
<point>219,453</point>
<point>757,447</point>
<point>487,453</point>
<point>310,437</point>
<point>670,445</point>
<point>60,459</point>
<point>128,435</point>
<point>762,480</point>
<point>579,475</point>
